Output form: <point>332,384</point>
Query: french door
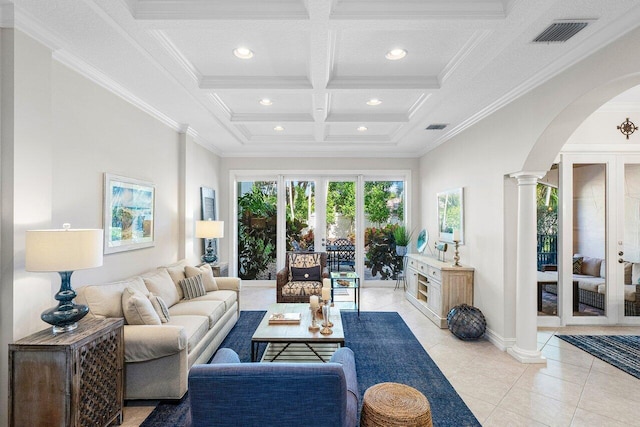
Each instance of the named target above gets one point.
<point>600,238</point>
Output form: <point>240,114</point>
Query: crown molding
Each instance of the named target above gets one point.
<point>252,83</point>
<point>583,50</point>
<point>218,102</point>
<point>101,79</point>
<point>164,42</point>
<point>474,41</point>
<point>217,10</point>
<point>418,104</point>
<point>370,82</point>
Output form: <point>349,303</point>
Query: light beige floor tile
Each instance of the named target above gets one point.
<point>507,371</point>
<point>479,386</point>
<point>584,418</point>
<point>619,408</point>
<point>564,371</point>
<point>504,418</point>
<point>556,388</point>
<point>133,416</point>
<point>480,408</point>
<point>572,356</point>
<point>612,384</point>
<point>537,407</point>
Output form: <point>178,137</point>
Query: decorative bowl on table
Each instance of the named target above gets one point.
<point>343,282</point>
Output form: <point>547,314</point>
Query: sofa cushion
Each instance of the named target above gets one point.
<point>160,307</point>
<point>208,279</point>
<point>228,297</point>
<point>176,271</point>
<point>106,300</point>
<point>159,282</point>
<point>588,283</point>
<point>137,308</point>
<point>635,273</point>
<point>302,260</point>
<point>196,327</point>
<point>192,287</point>
<point>302,288</point>
<point>591,266</point>
<point>213,310</point>
<point>630,292</point>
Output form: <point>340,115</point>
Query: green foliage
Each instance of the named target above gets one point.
<point>376,195</point>
<point>402,236</point>
<point>547,209</point>
<point>381,255</point>
<point>341,198</point>
<point>256,229</point>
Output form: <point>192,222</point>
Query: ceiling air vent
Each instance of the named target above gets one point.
<point>437,126</point>
<point>560,31</point>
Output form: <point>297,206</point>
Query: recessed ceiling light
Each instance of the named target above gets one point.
<point>362,128</point>
<point>374,102</point>
<point>278,128</point>
<point>266,101</point>
<point>395,54</point>
<point>243,52</point>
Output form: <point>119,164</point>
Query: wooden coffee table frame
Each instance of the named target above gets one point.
<point>295,333</point>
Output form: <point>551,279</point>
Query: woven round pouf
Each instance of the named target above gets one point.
<point>393,404</point>
<point>466,322</point>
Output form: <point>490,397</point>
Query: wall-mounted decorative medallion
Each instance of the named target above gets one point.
<point>627,127</point>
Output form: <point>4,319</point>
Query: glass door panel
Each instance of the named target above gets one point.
<point>547,247</point>
<point>340,221</point>
<point>300,215</point>
<point>384,203</point>
<point>588,265</point>
<point>630,253</point>
<point>257,229</point>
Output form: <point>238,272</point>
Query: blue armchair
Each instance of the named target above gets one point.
<point>229,393</point>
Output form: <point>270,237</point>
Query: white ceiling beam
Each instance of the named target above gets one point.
<point>367,118</point>
<point>253,83</point>
<point>217,9</point>
<point>410,9</point>
<point>321,41</point>
<point>269,118</point>
<point>365,83</point>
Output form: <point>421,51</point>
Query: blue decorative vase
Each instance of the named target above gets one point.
<point>466,322</point>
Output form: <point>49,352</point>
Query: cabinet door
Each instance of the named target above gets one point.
<point>412,282</point>
<point>435,301</point>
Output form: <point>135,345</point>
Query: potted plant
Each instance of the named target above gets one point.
<point>402,236</point>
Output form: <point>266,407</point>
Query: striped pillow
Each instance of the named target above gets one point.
<point>160,307</point>
<point>192,287</point>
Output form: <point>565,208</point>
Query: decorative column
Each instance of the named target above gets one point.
<point>525,349</point>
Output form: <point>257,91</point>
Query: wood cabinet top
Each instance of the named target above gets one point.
<point>434,262</point>
<point>86,332</point>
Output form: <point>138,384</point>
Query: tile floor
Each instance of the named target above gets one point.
<point>572,389</point>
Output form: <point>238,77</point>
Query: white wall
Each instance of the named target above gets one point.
<point>60,134</point>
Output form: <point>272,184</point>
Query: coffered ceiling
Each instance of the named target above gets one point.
<point>319,63</point>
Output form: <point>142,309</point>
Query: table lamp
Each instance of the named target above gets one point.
<point>209,229</point>
<point>64,251</point>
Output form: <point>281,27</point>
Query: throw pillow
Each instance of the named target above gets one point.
<point>137,308</point>
<point>193,287</point>
<point>306,273</point>
<point>208,280</point>
<point>160,307</point>
<point>577,265</point>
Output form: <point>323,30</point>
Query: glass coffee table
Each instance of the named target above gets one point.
<point>294,342</point>
<point>346,280</point>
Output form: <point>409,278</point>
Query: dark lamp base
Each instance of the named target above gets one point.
<point>65,317</point>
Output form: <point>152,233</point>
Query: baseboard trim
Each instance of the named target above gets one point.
<point>498,340</point>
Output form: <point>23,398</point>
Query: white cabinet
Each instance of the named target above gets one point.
<point>435,287</point>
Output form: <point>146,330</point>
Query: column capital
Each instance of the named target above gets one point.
<point>527,177</point>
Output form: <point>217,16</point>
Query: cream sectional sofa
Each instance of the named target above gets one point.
<point>158,356</point>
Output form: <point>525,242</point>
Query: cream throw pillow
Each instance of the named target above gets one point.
<point>192,287</point>
<point>137,308</point>
<point>208,280</point>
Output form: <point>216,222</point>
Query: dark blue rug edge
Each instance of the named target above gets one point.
<point>609,355</point>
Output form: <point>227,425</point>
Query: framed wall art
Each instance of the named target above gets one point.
<point>129,210</point>
<point>451,214</point>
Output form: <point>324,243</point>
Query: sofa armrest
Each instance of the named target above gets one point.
<point>148,342</point>
<point>225,355</point>
<point>346,358</point>
<point>229,283</point>
<point>282,277</point>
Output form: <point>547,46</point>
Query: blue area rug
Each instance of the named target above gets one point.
<point>386,351</point>
<point>621,351</point>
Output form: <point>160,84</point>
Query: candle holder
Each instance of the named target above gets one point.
<point>456,255</point>
<point>328,321</point>
<point>326,330</point>
<point>314,326</point>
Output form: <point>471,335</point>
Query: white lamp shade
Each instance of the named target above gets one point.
<point>209,229</point>
<point>63,250</point>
